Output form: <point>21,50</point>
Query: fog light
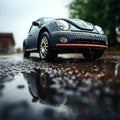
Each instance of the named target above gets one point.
<point>63,39</point>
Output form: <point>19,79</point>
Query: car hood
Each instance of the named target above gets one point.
<point>81,24</point>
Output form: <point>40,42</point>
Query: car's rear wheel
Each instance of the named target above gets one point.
<point>46,51</point>
<point>25,53</point>
<point>93,54</point>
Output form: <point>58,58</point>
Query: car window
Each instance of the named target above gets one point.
<point>44,20</point>
<point>47,19</point>
<point>32,28</point>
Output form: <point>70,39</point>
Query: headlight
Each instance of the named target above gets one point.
<point>99,29</point>
<point>63,25</point>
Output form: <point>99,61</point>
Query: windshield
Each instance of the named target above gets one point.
<point>47,19</point>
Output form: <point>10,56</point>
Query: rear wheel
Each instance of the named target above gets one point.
<point>45,49</point>
<point>25,53</point>
<point>93,54</point>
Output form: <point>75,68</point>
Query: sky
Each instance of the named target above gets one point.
<point>16,16</point>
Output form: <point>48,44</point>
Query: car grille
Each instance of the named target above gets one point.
<point>87,42</point>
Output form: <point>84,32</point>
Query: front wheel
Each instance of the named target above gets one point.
<point>93,54</point>
<point>45,49</point>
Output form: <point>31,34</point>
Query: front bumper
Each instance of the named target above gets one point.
<point>80,36</point>
<point>78,40</point>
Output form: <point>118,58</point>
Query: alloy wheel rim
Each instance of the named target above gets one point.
<point>43,47</point>
<point>44,79</point>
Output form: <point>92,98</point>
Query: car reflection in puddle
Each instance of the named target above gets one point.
<point>42,88</point>
<point>82,89</point>
<point>91,88</point>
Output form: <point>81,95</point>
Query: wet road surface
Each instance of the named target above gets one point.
<point>66,89</point>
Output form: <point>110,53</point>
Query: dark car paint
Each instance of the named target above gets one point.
<point>75,36</point>
<point>55,33</point>
<point>34,39</point>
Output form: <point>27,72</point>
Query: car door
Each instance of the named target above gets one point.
<point>33,36</point>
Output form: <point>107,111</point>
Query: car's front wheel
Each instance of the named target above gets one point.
<point>93,54</point>
<point>46,51</point>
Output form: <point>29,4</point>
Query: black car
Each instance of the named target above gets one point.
<point>50,36</point>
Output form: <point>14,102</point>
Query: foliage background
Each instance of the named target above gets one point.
<point>104,13</point>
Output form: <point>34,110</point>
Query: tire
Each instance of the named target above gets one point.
<point>46,51</point>
<point>48,94</point>
<point>25,53</point>
<point>93,54</point>
<point>43,83</point>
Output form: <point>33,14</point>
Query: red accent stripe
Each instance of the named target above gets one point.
<point>31,49</point>
<point>81,45</point>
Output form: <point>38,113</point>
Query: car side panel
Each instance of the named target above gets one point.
<point>34,38</point>
<point>31,41</point>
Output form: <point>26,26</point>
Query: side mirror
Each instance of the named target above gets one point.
<point>35,23</point>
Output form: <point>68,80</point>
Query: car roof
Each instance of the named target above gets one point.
<point>45,19</point>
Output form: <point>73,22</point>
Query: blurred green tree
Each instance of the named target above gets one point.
<point>100,12</point>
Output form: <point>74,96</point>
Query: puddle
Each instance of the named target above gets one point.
<point>65,89</point>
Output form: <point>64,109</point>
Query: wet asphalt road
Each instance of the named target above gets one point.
<point>69,88</point>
